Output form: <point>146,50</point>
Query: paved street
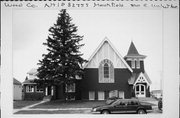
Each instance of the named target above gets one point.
<point>48,107</point>
<point>64,111</point>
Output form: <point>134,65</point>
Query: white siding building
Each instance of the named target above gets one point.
<point>17,94</point>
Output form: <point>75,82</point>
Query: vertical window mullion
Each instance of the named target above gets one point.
<point>106,70</point>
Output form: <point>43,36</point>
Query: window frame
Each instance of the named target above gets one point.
<point>103,78</point>
<point>106,70</point>
<point>138,65</point>
<point>91,95</point>
<point>133,65</point>
<point>38,90</point>
<point>29,88</point>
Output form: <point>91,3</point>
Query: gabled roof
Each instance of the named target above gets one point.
<point>147,77</point>
<point>16,82</point>
<point>133,79</point>
<point>132,52</point>
<point>99,47</point>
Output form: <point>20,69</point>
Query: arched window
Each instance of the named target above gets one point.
<point>106,71</point>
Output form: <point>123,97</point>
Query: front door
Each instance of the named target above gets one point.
<point>49,90</point>
<point>140,90</point>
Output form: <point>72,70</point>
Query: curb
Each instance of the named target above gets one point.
<point>54,109</point>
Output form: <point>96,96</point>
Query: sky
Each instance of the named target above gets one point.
<point>143,27</point>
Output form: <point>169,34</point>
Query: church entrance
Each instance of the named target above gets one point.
<point>140,90</point>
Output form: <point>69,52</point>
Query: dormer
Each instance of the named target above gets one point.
<point>134,59</point>
<point>32,74</point>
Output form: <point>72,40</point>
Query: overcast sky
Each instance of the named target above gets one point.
<point>143,27</point>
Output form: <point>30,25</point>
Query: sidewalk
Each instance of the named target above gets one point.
<point>31,109</point>
<point>28,107</point>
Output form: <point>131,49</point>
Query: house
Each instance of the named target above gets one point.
<point>31,91</point>
<point>106,74</point>
<point>17,94</point>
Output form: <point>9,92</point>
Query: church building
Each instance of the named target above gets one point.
<point>108,74</point>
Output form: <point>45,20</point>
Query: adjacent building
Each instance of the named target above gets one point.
<point>31,91</point>
<point>17,94</point>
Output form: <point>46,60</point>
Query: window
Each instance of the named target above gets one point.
<point>137,88</point>
<point>142,88</point>
<point>70,87</point>
<point>116,102</point>
<point>91,95</point>
<point>132,103</point>
<point>138,64</point>
<point>101,95</point>
<point>29,88</point>
<point>121,94</point>
<point>122,103</point>
<point>39,89</point>
<point>106,72</point>
<point>141,80</point>
<point>133,63</point>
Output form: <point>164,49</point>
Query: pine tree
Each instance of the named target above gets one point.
<point>63,62</point>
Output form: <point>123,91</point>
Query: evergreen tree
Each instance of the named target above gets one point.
<point>63,62</point>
